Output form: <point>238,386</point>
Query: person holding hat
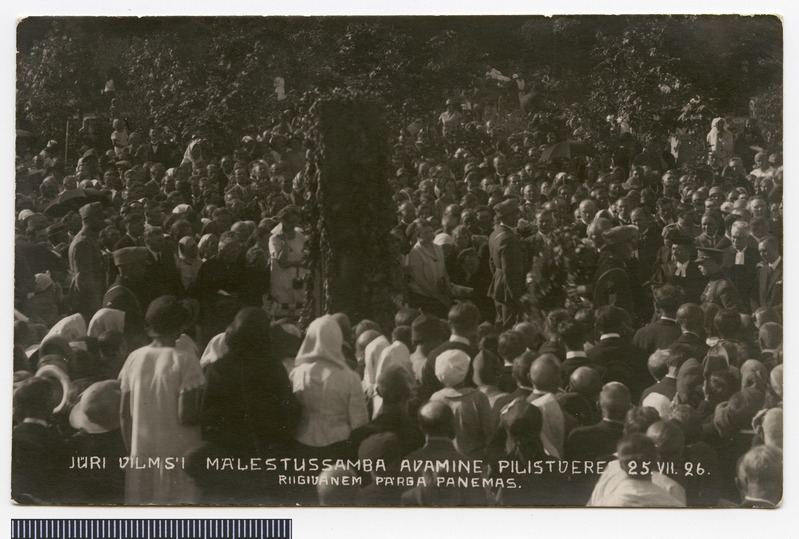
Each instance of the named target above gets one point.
<point>161,386</point>
<point>507,264</point>
<point>86,263</point>
<point>719,289</point>
<point>127,293</point>
<point>612,283</point>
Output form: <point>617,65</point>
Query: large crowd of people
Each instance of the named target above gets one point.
<point>159,359</point>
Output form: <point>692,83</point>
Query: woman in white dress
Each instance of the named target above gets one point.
<point>161,387</point>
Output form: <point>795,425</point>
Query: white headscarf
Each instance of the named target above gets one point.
<point>71,328</point>
<point>105,320</point>
<point>371,356</point>
<point>322,342</point>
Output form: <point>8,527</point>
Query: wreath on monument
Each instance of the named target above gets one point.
<point>566,263</point>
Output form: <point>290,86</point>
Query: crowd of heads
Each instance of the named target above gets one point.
<point>706,392</point>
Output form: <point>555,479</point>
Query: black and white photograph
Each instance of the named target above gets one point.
<point>399,261</point>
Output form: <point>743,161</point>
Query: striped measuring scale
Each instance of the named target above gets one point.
<point>147,528</point>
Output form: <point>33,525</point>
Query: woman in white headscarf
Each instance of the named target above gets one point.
<point>105,320</point>
<point>329,391</point>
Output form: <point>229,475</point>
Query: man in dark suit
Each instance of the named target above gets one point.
<point>39,457</point>
<point>156,150</point>
<point>134,228</point>
<point>612,282</point>
<point>162,273</point>
<point>691,319</point>
<point>769,273</point>
<point>740,260</point>
<point>126,293</point>
<point>660,394</point>
<point>760,477</point>
<point>650,240</point>
<point>681,270</point>
<point>86,263</point>
<point>437,423</point>
<point>599,440</point>
<point>463,319</point>
<point>507,264</point>
<point>619,360</point>
<point>664,330</point>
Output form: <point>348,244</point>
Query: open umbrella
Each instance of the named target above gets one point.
<point>73,199</point>
<point>568,149</point>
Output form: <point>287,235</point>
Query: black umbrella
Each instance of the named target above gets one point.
<point>73,199</point>
<point>568,149</point>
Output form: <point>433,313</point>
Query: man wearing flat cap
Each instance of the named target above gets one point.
<point>506,262</point>
<point>719,289</point>
<point>612,285</point>
<point>86,263</point>
<point>127,293</point>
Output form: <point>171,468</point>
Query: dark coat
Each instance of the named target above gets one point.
<point>594,442</point>
<point>249,406</point>
<point>39,464</point>
<point>86,265</point>
<point>100,486</point>
<point>657,335</point>
<point>162,276</point>
<point>744,276</point>
<point>769,285</point>
<point>612,285</point>
<point>125,295</point>
<point>622,362</point>
<point>666,387</point>
<point>692,284</point>
<point>507,266</point>
<point>696,342</point>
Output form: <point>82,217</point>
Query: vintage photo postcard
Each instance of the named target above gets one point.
<point>398,261</point>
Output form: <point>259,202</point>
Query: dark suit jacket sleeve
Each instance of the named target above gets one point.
<point>512,257</point>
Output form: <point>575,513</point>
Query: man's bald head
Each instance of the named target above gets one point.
<point>586,382</point>
<point>614,401</point>
<point>436,419</point>
<point>545,373</point>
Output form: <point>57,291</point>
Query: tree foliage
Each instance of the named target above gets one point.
<point>212,77</point>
